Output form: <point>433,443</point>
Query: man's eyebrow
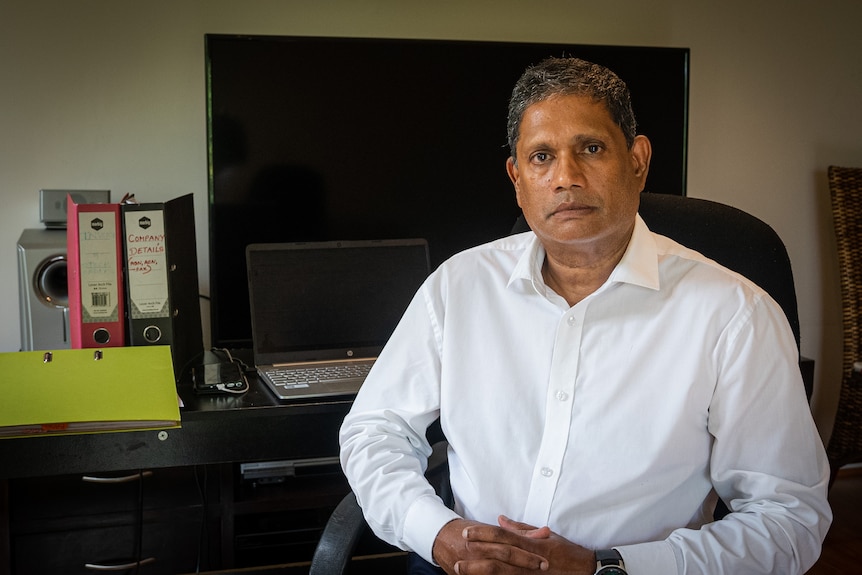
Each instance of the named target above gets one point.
<point>578,140</point>
<point>590,138</point>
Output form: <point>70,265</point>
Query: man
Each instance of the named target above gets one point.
<point>598,385</point>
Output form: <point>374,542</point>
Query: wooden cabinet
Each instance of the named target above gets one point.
<point>176,520</point>
<point>107,522</point>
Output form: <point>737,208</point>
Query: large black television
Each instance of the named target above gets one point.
<point>313,138</point>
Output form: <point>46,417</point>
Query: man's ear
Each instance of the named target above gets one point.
<point>512,170</point>
<point>641,155</point>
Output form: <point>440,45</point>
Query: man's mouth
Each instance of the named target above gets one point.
<point>571,209</point>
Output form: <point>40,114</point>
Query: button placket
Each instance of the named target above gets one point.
<point>558,416</point>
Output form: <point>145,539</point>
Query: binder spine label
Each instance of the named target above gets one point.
<point>100,290</point>
<point>146,264</point>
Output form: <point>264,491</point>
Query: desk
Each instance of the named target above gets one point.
<point>216,430</point>
<point>219,431</point>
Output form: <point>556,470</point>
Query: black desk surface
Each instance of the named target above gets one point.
<point>255,426</point>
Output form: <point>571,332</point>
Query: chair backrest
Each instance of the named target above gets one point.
<point>734,238</point>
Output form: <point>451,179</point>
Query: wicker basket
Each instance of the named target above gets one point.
<point>845,186</point>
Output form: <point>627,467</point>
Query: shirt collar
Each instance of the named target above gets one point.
<point>638,266</point>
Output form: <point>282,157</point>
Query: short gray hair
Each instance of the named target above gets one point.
<point>566,77</point>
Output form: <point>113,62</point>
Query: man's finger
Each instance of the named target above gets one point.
<point>506,554</point>
<point>523,528</point>
<point>476,566</point>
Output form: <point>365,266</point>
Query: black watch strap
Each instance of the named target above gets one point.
<point>609,562</point>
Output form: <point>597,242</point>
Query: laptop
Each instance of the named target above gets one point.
<point>321,312</point>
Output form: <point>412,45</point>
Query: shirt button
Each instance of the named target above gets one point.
<point>570,320</point>
<point>562,396</point>
<point>547,472</point>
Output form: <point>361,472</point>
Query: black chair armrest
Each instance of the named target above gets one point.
<point>346,525</point>
<point>343,529</point>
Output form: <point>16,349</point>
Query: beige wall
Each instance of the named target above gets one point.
<point>110,94</point>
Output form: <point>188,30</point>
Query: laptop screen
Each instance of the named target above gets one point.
<point>330,300</point>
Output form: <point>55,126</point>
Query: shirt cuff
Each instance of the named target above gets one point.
<point>425,518</point>
<point>655,558</point>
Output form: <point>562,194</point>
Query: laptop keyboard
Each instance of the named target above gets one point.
<point>294,377</point>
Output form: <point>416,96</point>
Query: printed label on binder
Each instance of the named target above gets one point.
<point>99,280</point>
<point>146,264</point>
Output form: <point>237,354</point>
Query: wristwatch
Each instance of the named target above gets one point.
<point>609,562</point>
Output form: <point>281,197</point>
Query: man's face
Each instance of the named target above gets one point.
<point>576,180</point>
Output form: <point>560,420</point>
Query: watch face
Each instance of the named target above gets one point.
<point>611,570</point>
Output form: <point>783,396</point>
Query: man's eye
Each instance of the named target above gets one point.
<point>540,157</point>
<point>593,149</point>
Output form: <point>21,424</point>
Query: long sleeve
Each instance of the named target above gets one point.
<point>384,449</point>
<point>767,463</point>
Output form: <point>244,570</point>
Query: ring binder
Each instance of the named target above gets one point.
<point>161,275</point>
<point>95,275</point>
<point>87,391</point>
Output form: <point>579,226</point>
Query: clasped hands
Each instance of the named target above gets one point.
<point>471,548</point>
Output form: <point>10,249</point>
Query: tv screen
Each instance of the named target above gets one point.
<point>316,138</point>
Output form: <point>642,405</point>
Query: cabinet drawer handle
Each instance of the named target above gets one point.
<point>123,479</point>
<point>123,567</point>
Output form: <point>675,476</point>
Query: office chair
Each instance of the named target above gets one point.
<point>845,443</point>
<point>732,237</point>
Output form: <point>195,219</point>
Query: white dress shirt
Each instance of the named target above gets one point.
<point>614,421</point>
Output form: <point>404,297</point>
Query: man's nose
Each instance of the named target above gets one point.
<point>568,172</point>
